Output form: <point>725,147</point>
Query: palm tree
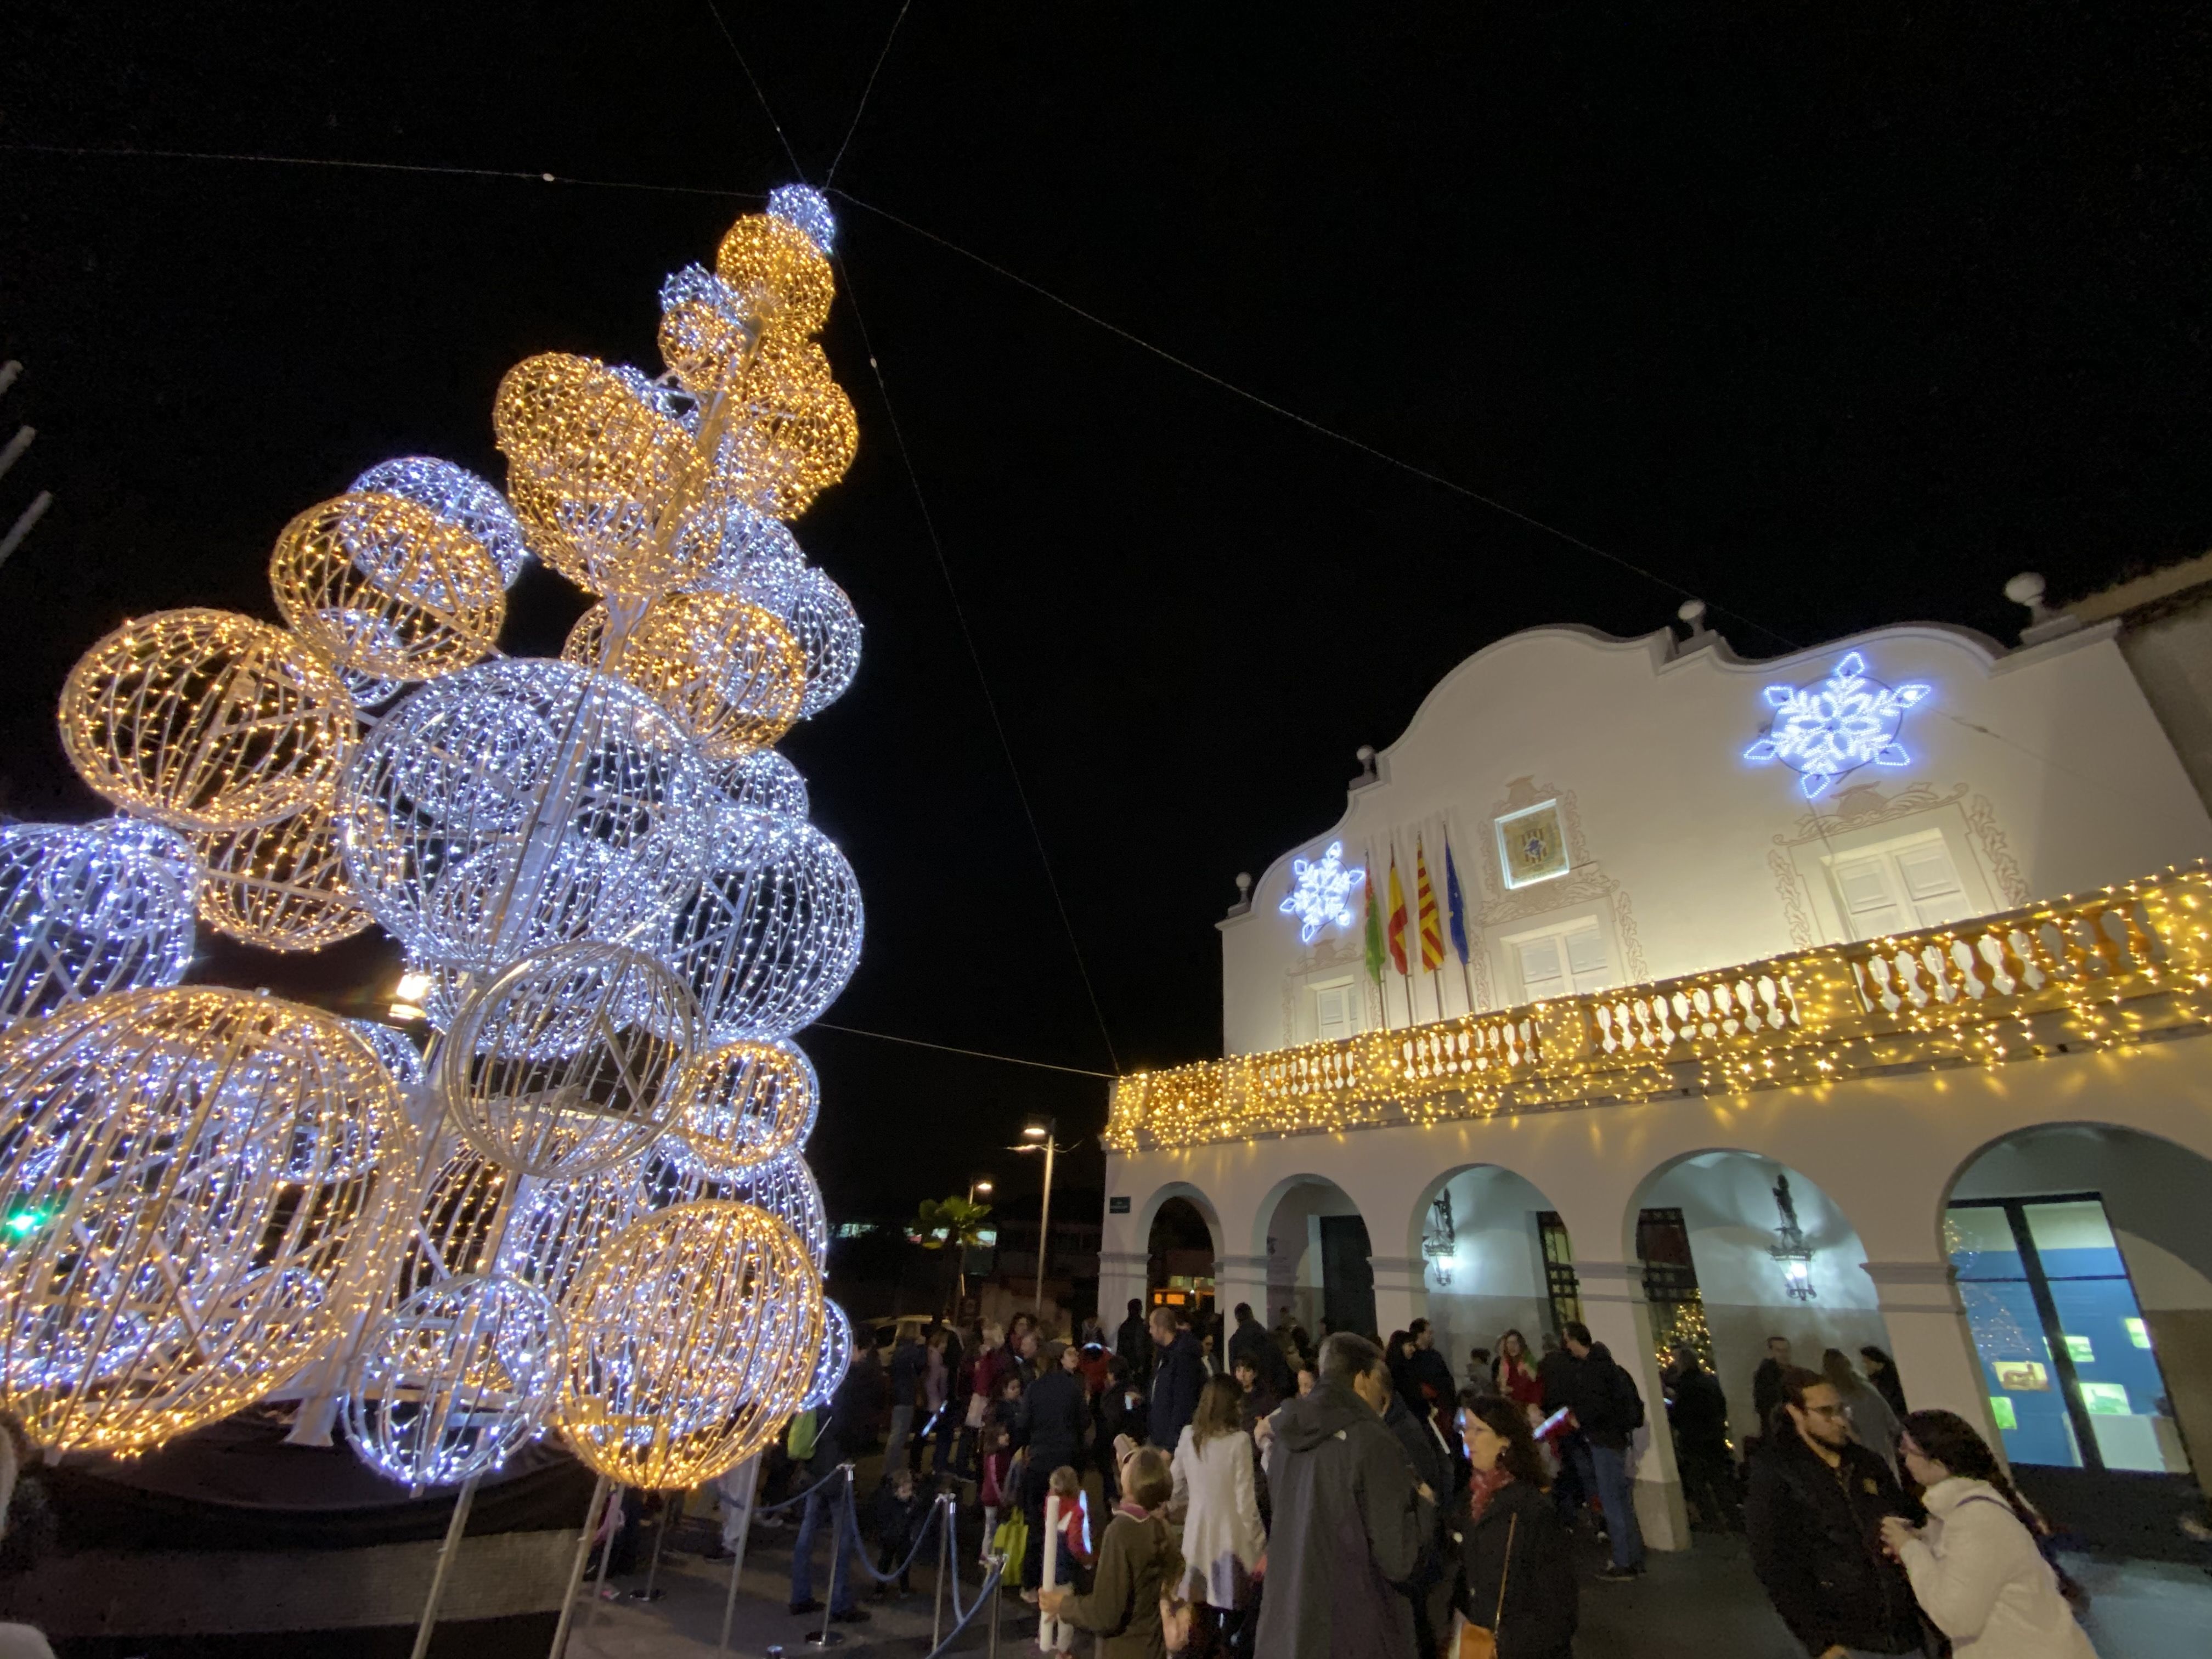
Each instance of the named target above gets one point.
<point>955,1224</point>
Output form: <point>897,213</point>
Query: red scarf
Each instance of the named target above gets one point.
<point>1484,1489</point>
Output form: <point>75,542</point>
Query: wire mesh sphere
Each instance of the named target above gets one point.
<point>768,940</point>
<point>781,279</point>
<point>828,632</point>
<point>808,209</point>
<point>705,336</point>
<point>747,553</point>
<point>384,587</point>
<point>281,885</point>
<point>794,432</point>
<point>401,1058</point>
<point>837,1356</point>
<point>369,693</point>
<point>87,908</point>
<point>189,1175</point>
<point>761,780</point>
<point>461,499</point>
<point>784,1187</point>
<point>205,719</point>
<point>730,672</point>
<point>741,1104</point>
<point>692,1340</point>
<point>567,1063</point>
<point>521,803</point>
<point>597,478</point>
<point>448,1384</point>
<point>559,1228</point>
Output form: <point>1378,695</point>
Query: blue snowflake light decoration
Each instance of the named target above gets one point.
<point>1322,893</point>
<point>1823,731</point>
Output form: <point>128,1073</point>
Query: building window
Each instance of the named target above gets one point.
<point>1560,1283</point>
<point>1336,1011</point>
<point>1898,886</point>
<point>1670,1283</point>
<point>1562,961</point>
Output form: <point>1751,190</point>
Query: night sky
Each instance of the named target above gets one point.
<point>1834,316</point>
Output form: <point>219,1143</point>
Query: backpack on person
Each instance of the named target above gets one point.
<point>1627,1401</point>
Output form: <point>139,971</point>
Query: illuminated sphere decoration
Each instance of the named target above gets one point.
<point>87,908</point>
<point>836,1357</point>
<point>746,553</point>
<point>808,209</point>
<point>187,1175</point>
<point>730,673</point>
<point>558,1227</point>
<point>205,719</point>
<point>783,1186</point>
<point>449,1383</point>
<point>768,940</point>
<point>741,1104</point>
<point>780,278</point>
<point>567,1061</point>
<point>691,1341</point>
<point>829,632</point>
<point>761,780</point>
<point>794,434</point>
<point>705,338</point>
<point>461,499</point>
<point>281,885</point>
<point>401,1058</point>
<point>521,803</point>
<point>385,588</point>
<point>598,478</point>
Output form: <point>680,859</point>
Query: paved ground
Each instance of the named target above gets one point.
<point>1691,1606</point>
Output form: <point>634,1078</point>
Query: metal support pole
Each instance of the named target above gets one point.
<point>737,1556</point>
<point>826,1638</point>
<point>446,1550</point>
<point>1044,1226</point>
<point>998,1596</point>
<point>669,1506</point>
<point>576,1566</point>
<point>944,1560</point>
<point>600,1583</point>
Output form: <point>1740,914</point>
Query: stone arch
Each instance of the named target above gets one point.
<point>1195,1196</point>
<point>1492,1278</point>
<point>1312,1259</point>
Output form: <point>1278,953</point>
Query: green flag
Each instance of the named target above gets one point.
<point>1374,935</point>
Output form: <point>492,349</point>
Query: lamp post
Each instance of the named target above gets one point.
<point>979,1184</point>
<point>1037,1136</point>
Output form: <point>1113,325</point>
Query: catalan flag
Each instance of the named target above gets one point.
<point>1397,918</point>
<point>1373,927</point>
<point>1432,938</point>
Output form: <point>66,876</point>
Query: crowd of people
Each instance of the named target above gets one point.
<point>1273,1495</point>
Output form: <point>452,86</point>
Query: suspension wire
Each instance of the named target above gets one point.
<point>799,172</point>
<point>381,167</point>
<point>946,1047</point>
<point>861,108</point>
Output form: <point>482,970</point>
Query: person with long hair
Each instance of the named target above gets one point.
<point>1515,1374</point>
<point>1976,1568</point>
<point>1516,1570</point>
<point>1222,1540</point>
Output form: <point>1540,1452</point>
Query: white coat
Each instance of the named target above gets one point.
<point>1222,1540</point>
<point>1977,1574</point>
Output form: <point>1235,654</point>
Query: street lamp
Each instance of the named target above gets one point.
<point>981,1184</point>
<point>1037,1136</point>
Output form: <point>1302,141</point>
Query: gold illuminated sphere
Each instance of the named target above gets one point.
<point>783,282</point>
<point>280,885</point>
<point>384,587</point>
<point>741,1104</point>
<point>692,1340</point>
<point>792,433</point>
<point>730,673</point>
<point>598,478</point>
<point>205,719</point>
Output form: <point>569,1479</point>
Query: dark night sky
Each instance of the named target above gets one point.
<point>1833,315</point>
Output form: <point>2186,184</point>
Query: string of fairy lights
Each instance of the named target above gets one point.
<point>585,1209</point>
<point>2091,971</point>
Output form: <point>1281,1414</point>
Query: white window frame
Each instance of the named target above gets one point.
<point>1572,919</point>
<point>1815,862</point>
<point>1355,1005</point>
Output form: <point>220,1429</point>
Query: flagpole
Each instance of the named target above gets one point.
<point>1369,934</point>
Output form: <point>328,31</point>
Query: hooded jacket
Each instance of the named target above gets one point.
<point>1815,1537</point>
<point>1349,1529</point>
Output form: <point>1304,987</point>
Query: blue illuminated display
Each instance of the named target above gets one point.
<point>1824,730</point>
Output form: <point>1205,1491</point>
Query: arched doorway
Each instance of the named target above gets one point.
<point>1319,1255</point>
<point>2085,1267</point>
<point>1495,1257</point>
<point>1179,1258</point>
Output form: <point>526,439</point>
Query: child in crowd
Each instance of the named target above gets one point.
<point>994,1490</point>
<point>900,1513</point>
<point>1134,1559</point>
<point>1074,1568</point>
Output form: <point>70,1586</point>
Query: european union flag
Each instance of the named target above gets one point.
<point>1454,904</point>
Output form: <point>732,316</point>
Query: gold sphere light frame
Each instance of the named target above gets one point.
<point>383,586</point>
<point>780,282</point>
<point>794,434</point>
<point>282,886</point>
<point>741,1104</point>
<point>691,1341</point>
<point>206,720</point>
<point>730,673</point>
<point>187,1176</point>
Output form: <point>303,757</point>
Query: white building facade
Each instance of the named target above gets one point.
<point>1776,998</point>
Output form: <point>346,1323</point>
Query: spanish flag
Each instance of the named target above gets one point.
<point>1397,918</point>
<point>1432,938</point>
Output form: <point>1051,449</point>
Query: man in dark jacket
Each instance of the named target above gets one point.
<point>1049,1431</point>
<point>1133,1345</point>
<point>1179,1375</point>
<point>1609,1409</point>
<point>909,1362</point>
<point>1814,1515</point>
<point>1766,1384</point>
<point>1698,1410</point>
<point>1432,1373</point>
<point>1428,1592</point>
<point>851,1425</point>
<point>1251,1342</point>
<point>1349,1520</point>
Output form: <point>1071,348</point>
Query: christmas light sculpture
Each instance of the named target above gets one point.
<point>692,1340</point>
<point>401,1058</point>
<point>797,433</point>
<point>383,586</point>
<point>280,885</point>
<point>184,1174</point>
<point>1823,731</point>
<point>764,781</point>
<point>751,555</point>
<point>459,497</point>
<point>450,1382</point>
<point>778,275</point>
<point>837,1356</point>
<point>91,908</point>
<point>768,940</point>
<point>729,673</point>
<point>741,1104</point>
<point>1320,892</point>
<point>202,719</point>
<point>829,632</point>
<point>807,208</point>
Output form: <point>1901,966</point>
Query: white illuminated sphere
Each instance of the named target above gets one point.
<point>767,939</point>
<point>750,554</point>
<point>807,207</point>
<point>567,1063</point>
<point>761,780</point>
<point>559,1227</point>
<point>397,1050</point>
<point>460,498</point>
<point>828,631</point>
<point>449,1383</point>
<point>86,909</point>
<point>837,1356</point>
<point>741,1104</point>
<point>517,805</point>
